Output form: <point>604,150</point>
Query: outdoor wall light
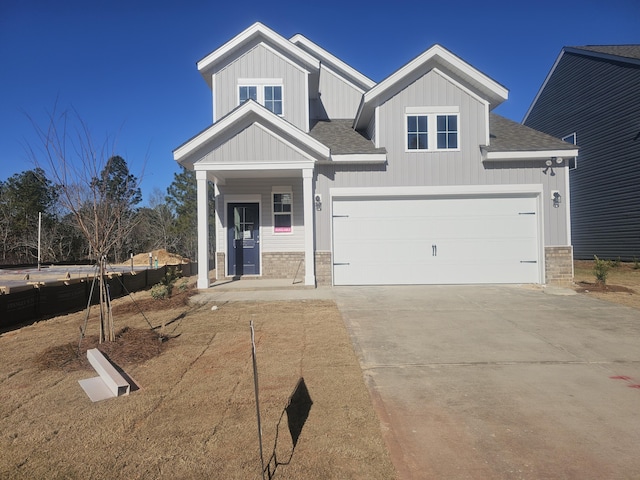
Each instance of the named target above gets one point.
<point>556,198</point>
<point>317,198</point>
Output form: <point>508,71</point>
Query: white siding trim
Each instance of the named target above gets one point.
<point>326,57</point>
<point>213,98</point>
<point>358,158</point>
<point>513,189</point>
<point>528,155</point>
<point>567,201</point>
<point>203,229</point>
<point>256,30</point>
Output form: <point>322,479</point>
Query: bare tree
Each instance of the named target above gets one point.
<point>69,154</point>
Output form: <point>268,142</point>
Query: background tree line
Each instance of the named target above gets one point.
<point>168,221</point>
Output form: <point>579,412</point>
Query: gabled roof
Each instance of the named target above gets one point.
<point>247,114</point>
<point>351,74</point>
<point>254,34</point>
<point>435,57</point>
<point>619,53</point>
<point>513,141</point>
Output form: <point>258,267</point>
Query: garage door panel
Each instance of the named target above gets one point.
<point>435,240</point>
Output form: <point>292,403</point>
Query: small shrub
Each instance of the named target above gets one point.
<point>601,269</point>
<point>165,288</point>
<point>182,286</point>
<point>636,264</point>
<point>160,291</point>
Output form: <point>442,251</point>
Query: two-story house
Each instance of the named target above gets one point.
<point>323,175</point>
<point>591,97</point>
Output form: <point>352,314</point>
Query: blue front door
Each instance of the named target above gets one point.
<point>243,238</point>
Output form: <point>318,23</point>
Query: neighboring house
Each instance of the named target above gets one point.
<point>323,176</point>
<point>591,97</point>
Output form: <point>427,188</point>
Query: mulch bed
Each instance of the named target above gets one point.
<point>131,346</point>
<point>587,287</point>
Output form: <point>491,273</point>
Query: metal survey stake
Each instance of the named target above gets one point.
<point>255,386</point>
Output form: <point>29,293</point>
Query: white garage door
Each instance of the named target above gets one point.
<point>387,241</point>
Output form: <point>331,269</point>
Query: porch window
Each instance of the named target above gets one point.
<point>282,211</point>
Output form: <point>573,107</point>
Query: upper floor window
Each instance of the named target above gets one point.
<point>273,98</point>
<point>248,93</point>
<point>432,128</point>
<point>267,92</point>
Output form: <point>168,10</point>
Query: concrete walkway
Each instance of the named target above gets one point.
<point>490,382</point>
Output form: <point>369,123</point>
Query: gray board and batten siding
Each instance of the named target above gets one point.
<point>463,167</point>
<point>598,98</point>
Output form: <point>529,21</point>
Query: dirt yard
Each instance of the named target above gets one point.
<point>193,414</point>
<point>622,286</point>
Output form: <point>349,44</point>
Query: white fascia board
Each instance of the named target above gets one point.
<point>528,155</point>
<point>449,190</point>
<point>469,92</point>
<point>329,59</point>
<point>257,29</point>
<point>448,58</point>
<point>542,87</point>
<point>359,158</point>
<point>250,107</point>
<point>437,54</point>
<point>252,166</point>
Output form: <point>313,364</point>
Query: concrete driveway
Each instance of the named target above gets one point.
<point>500,382</point>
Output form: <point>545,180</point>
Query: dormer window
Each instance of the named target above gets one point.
<point>430,129</point>
<point>248,93</point>
<point>265,91</point>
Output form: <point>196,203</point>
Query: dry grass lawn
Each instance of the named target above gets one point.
<point>625,275</point>
<point>194,413</point>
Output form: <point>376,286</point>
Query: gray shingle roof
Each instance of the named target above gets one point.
<point>342,139</point>
<point>509,136</point>
<point>626,51</point>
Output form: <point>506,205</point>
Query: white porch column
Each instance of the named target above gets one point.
<point>309,254</point>
<point>203,230</point>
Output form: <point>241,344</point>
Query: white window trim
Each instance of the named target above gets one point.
<point>432,127</point>
<point>275,190</point>
<point>260,83</point>
<point>572,138</point>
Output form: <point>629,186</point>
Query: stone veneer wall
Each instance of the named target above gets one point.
<point>558,262</point>
<point>283,265</point>
<point>220,265</point>
<point>323,268</point>
<point>286,265</point>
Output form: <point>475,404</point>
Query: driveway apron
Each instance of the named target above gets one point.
<point>499,382</point>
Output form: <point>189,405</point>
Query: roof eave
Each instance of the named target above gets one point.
<point>437,55</point>
<point>206,64</point>
<point>522,155</point>
<point>184,151</point>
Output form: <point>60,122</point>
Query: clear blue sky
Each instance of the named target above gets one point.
<point>128,67</point>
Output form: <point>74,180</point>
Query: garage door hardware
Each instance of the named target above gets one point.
<point>528,261</point>
<point>341,263</point>
<point>341,216</point>
<point>434,250</point>
<point>527,213</point>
